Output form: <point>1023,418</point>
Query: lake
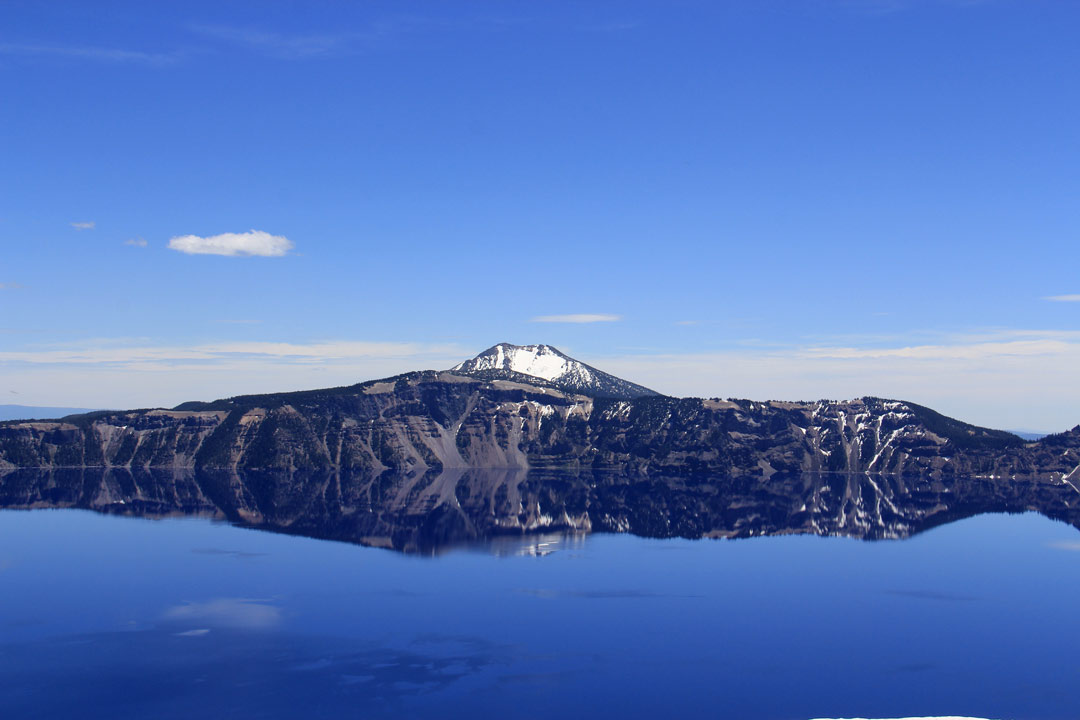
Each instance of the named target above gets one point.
<point>121,617</point>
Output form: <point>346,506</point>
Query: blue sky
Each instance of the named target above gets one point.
<point>823,198</point>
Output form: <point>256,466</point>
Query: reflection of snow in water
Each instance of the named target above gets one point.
<point>533,545</point>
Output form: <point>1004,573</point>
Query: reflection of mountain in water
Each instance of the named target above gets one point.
<point>423,512</point>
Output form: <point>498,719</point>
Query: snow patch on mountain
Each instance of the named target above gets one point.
<point>542,361</point>
<point>503,361</point>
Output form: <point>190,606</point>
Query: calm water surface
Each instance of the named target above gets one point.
<point>122,618</point>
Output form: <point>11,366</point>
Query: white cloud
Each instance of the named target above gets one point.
<point>10,286</point>
<point>1063,298</point>
<point>687,322</point>
<point>577,318</point>
<point>89,225</point>
<point>136,242</point>
<point>250,244</point>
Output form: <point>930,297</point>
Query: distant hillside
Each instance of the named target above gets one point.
<point>31,412</point>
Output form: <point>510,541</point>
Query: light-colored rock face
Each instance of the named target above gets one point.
<point>379,388</point>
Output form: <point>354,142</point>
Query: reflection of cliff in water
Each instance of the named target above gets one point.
<point>423,512</point>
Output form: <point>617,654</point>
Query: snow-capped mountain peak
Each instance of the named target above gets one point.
<point>542,361</point>
<point>548,364</point>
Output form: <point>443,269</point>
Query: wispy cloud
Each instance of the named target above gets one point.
<point>687,322</point>
<point>143,356</point>
<point>136,242</point>
<point>254,243</point>
<point>298,45</point>
<point>87,52</point>
<point>1063,298</point>
<point>10,286</point>
<point>577,318</point>
<point>972,351</point>
<point>209,39</point>
<point>336,42</point>
<point>85,225</point>
<point>138,373</point>
<point>280,44</point>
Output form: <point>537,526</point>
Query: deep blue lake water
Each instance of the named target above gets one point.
<point>121,618</point>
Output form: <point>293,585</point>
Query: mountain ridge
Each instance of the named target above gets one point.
<point>424,420</point>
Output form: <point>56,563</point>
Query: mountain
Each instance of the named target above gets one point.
<point>486,414</point>
<point>530,363</point>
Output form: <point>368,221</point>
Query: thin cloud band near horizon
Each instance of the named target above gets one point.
<point>577,318</point>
